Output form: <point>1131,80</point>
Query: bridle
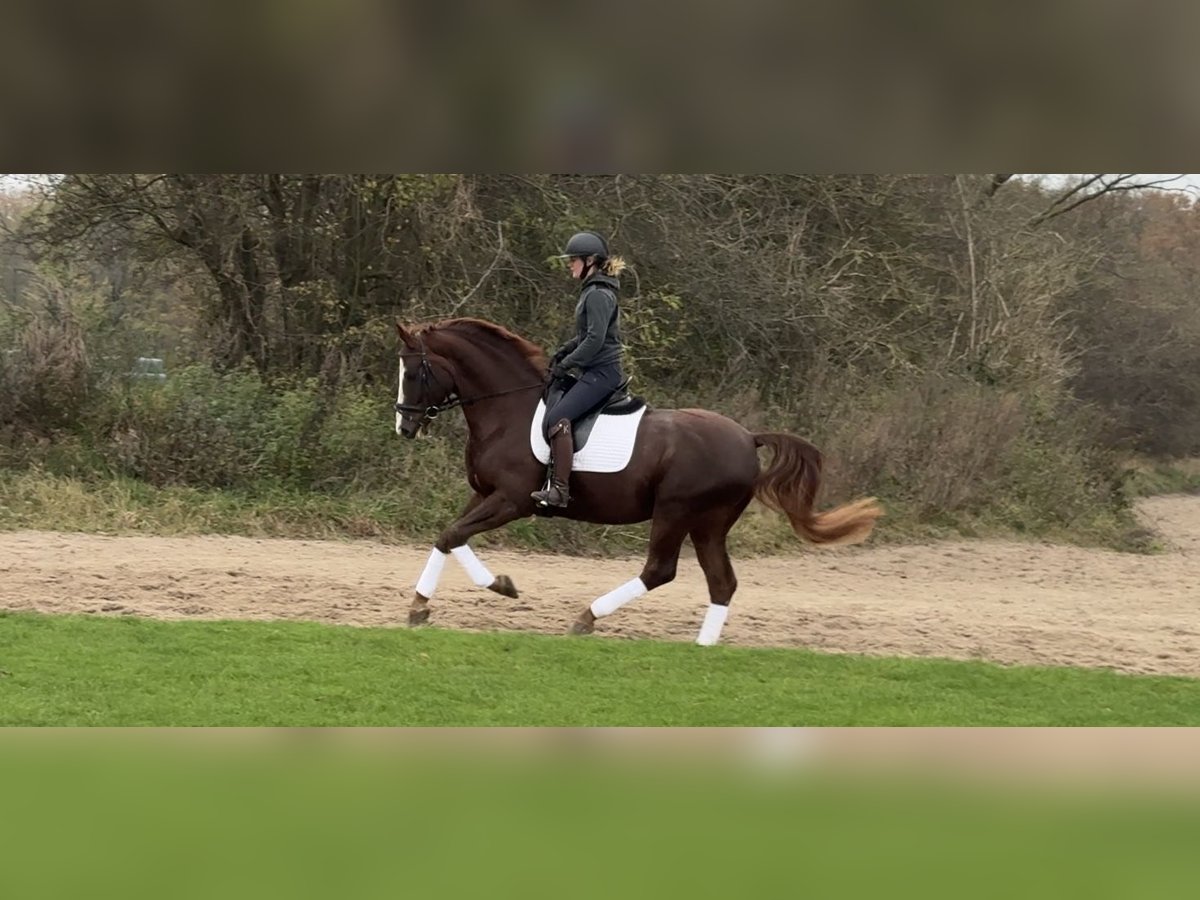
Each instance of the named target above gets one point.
<point>427,375</point>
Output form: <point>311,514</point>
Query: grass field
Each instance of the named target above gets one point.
<point>79,670</point>
<point>216,819</point>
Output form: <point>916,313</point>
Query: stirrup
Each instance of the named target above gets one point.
<point>552,495</point>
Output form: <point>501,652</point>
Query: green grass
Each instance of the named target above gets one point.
<point>119,505</point>
<point>1148,477</point>
<point>36,499</point>
<point>315,818</point>
<point>79,670</point>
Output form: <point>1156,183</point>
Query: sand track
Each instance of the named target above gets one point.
<point>1004,601</point>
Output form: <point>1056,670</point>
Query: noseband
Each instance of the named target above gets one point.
<point>428,375</point>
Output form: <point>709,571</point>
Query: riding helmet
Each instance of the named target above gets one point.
<point>586,243</point>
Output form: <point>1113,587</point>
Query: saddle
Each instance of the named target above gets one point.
<point>619,403</point>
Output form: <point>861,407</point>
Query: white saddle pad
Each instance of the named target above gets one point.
<point>608,449</point>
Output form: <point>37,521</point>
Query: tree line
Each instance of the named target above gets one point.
<point>918,324</point>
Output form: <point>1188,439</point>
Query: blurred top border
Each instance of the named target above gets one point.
<point>758,87</point>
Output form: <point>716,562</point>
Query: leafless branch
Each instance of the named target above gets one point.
<point>1106,185</point>
<point>487,272</point>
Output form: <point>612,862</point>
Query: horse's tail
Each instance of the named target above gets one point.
<point>789,485</point>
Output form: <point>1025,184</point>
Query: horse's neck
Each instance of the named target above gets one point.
<point>478,374</point>
<point>512,384</point>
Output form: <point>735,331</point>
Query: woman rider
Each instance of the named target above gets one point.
<point>594,353</point>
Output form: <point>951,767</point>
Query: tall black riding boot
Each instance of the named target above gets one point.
<point>562,454</point>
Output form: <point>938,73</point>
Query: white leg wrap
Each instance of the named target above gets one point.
<point>400,398</point>
<point>428,581</point>
<point>476,570</point>
<point>614,600</point>
<point>714,621</point>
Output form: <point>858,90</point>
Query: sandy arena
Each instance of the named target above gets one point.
<point>1003,601</point>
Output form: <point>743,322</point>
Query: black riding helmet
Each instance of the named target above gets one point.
<point>585,244</point>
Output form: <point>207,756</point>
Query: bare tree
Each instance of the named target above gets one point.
<point>1087,188</point>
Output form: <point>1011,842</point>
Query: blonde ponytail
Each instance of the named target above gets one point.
<point>614,266</point>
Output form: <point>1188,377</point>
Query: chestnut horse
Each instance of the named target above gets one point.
<point>692,472</point>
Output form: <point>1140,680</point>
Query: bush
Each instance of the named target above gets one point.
<point>939,446</point>
<point>44,376</point>
<point>233,430</point>
<point>971,458</point>
<point>196,428</point>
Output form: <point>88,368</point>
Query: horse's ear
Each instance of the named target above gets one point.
<point>406,337</point>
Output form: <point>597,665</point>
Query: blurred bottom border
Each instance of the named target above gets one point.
<point>1166,757</point>
<point>599,812</point>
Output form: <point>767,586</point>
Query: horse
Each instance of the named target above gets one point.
<point>691,472</point>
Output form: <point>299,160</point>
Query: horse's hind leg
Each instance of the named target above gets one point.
<point>708,537</point>
<point>481,575</point>
<point>481,514</point>
<point>666,537</point>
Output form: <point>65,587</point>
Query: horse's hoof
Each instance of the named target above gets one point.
<point>504,586</point>
<point>585,624</point>
<point>418,616</point>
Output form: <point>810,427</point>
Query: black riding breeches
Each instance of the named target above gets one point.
<point>592,388</point>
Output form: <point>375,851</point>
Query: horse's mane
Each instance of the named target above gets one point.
<point>480,331</point>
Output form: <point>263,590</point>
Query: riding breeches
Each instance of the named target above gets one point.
<point>592,388</point>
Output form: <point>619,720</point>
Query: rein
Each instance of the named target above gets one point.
<point>433,410</point>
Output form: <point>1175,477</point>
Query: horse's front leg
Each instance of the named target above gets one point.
<point>481,514</point>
